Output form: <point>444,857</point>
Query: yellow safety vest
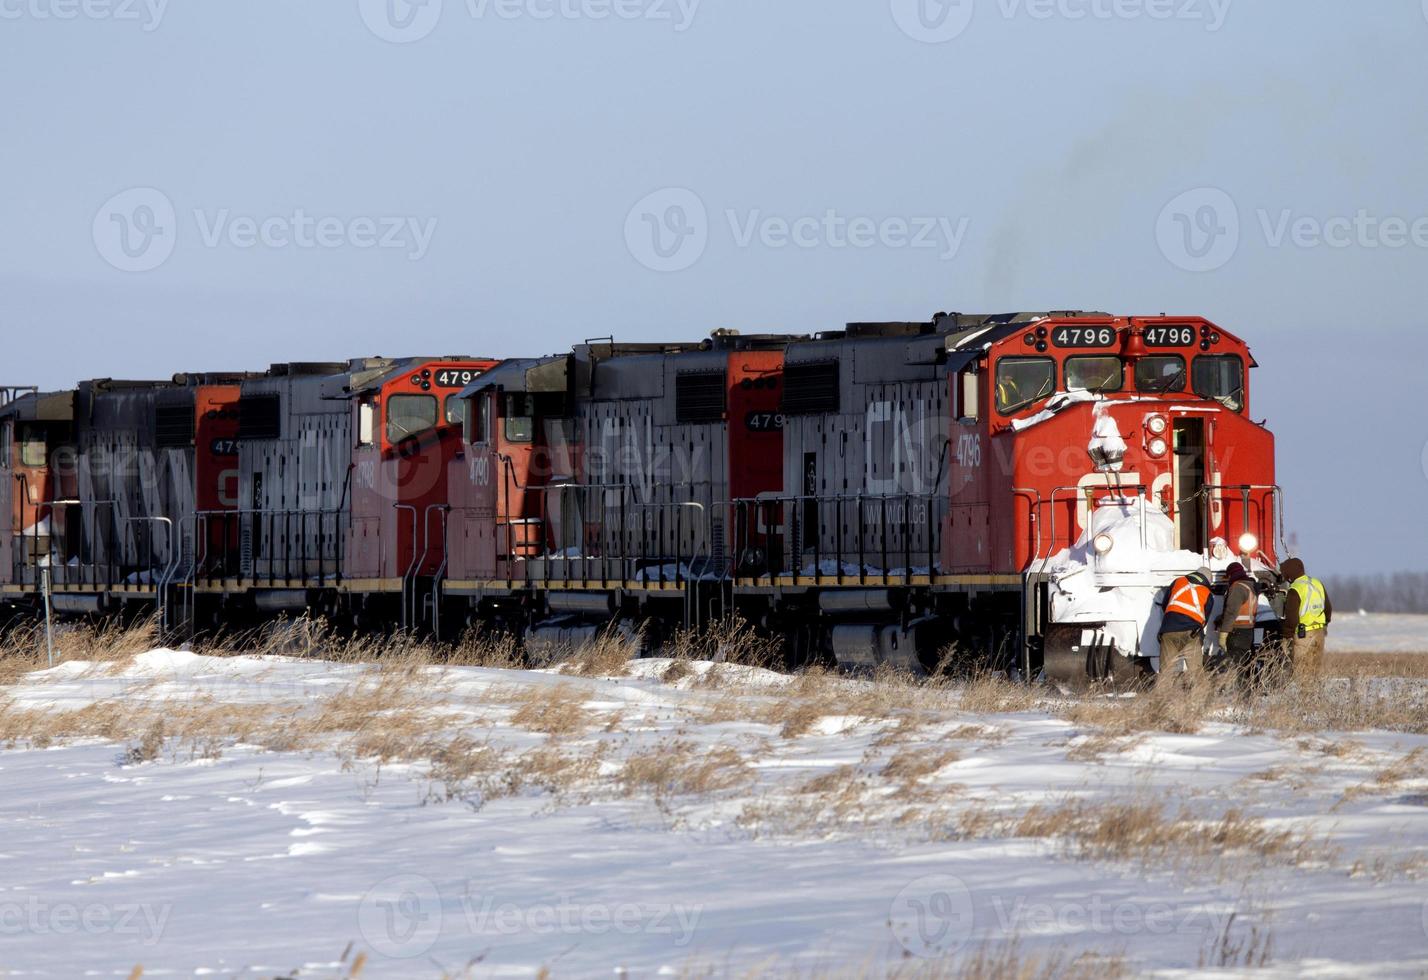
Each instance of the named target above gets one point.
<point>1312,599</point>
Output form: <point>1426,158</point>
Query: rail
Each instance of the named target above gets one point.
<point>773,534</point>
<point>260,548</point>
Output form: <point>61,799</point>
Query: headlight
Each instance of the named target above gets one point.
<point>1221,551</point>
<point>1157,425</point>
<point>1158,447</point>
<point>1103,544</point>
<point>1249,544</point>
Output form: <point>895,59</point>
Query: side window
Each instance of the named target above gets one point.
<point>520,421</point>
<point>5,459</point>
<point>969,395</point>
<point>1221,379</point>
<point>1100,373</point>
<point>478,419</point>
<point>408,415</point>
<point>455,413</point>
<point>366,423</point>
<point>32,446</point>
<point>1024,381</point>
<point>1160,374</point>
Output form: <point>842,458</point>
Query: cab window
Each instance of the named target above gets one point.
<point>455,413</point>
<point>1221,379</point>
<point>1160,374</point>
<point>1095,373</point>
<point>1024,381</point>
<point>32,446</point>
<point>408,415</point>
<point>520,418</point>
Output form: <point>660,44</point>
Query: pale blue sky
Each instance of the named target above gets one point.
<point>1044,145</point>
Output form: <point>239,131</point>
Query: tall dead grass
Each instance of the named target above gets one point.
<point>1152,833</point>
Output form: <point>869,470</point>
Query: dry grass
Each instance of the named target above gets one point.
<point>911,766</point>
<point>1367,665</point>
<point>732,640</point>
<point>1168,708</point>
<point>558,710</point>
<point>1148,832</point>
<point>684,769</point>
<point>608,655</point>
<point>1095,747</point>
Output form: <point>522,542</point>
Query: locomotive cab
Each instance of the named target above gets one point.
<point>35,432</point>
<point>1128,447</point>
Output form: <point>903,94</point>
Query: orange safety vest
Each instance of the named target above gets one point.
<point>1189,599</point>
<point>1250,612</point>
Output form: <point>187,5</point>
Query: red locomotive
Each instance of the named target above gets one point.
<point>1020,486</point>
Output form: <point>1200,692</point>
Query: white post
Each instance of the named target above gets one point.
<point>49,618</point>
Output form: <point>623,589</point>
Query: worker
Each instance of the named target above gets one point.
<point>1235,627</point>
<point>1008,391</point>
<point>1307,615</point>
<point>1182,627</point>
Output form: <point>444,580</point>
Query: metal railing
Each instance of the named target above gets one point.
<point>268,547</point>
<point>895,535</point>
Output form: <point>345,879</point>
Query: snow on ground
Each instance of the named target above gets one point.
<point>1378,633</point>
<point>244,861</point>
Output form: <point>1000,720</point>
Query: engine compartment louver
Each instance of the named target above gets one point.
<point>173,425</point>
<point>700,396</point>
<point>259,417</point>
<point>810,388</point>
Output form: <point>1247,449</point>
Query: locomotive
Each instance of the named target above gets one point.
<point>1020,487</point>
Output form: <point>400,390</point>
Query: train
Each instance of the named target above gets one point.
<point>1013,492</point>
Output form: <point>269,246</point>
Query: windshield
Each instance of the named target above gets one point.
<point>1221,379</point>
<point>1023,381</point>
<point>1102,373</point>
<point>408,415</point>
<point>1160,374</point>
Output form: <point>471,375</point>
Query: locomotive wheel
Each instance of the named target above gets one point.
<point>1076,667</point>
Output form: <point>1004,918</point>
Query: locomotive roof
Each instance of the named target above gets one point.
<point>948,338</point>
<point>40,406</point>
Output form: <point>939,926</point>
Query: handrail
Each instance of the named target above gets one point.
<point>411,568</point>
<point>1035,516</point>
<point>170,568</point>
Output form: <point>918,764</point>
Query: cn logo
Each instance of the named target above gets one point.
<point>135,230</point>
<point>1199,231</point>
<point>667,231</point>
<point>934,21</point>
<point>400,21</point>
